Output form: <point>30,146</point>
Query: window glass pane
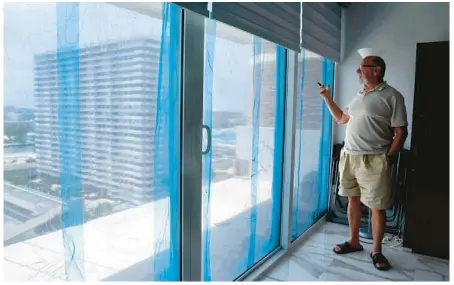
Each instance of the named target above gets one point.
<point>243,105</point>
<point>312,142</point>
<point>92,142</point>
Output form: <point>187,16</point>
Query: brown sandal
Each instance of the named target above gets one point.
<point>380,258</point>
<point>346,247</point>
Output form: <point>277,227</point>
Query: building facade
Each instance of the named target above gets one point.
<point>117,93</point>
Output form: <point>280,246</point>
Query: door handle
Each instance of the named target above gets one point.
<point>208,148</point>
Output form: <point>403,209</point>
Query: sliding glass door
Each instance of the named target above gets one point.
<point>312,142</point>
<point>92,174</point>
<point>243,112</point>
<point>146,143</point>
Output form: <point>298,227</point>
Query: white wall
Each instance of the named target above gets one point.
<point>394,29</point>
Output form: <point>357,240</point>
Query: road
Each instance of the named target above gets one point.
<point>26,209</point>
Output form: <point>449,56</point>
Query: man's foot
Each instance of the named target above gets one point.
<point>380,262</point>
<point>346,247</point>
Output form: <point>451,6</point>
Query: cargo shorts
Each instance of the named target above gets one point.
<point>366,176</point>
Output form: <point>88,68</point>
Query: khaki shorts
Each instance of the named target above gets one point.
<point>366,176</point>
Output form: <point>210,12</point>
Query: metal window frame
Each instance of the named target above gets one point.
<point>291,92</point>
<point>192,73</point>
<point>287,246</point>
<point>191,86</point>
<point>289,149</point>
<point>192,125</point>
<point>191,130</point>
<point>333,133</point>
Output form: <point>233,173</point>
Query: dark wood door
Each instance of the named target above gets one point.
<point>427,214</point>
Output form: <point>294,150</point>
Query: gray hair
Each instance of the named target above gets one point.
<point>378,61</point>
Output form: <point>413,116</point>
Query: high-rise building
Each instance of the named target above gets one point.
<point>117,90</point>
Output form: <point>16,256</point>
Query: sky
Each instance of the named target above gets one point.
<point>31,28</point>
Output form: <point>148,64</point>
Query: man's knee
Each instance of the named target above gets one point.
<point>354,202</point>
<point>376,201</point>
<point>379,212</point>
<point>354,199</point>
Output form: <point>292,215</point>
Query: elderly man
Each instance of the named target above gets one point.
<point>376,121</point>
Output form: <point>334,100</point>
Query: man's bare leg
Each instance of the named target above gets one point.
<point>354,221</point>
<point>378,231</point>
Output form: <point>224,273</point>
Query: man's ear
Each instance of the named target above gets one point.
<point>377,70</point>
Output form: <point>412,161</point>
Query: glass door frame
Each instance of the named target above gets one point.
<point>193,39</point>
<point>192,128</point>
<point>191,86</point>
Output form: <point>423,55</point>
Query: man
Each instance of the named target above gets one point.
<point>376,130</point>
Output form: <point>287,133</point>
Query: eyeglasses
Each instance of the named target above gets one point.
<point>367,65</point>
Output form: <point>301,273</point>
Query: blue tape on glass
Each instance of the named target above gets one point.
<point>278,148</point>
<point>167,143</point>
<point>207,158</point>
<point>258,66</point>
<point>160,142</point>
<point>174,139</point>
<point>72,218</point>
<point>325,142</point>
<point>299,120</point>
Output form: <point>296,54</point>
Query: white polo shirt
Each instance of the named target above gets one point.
<point>373,115</point>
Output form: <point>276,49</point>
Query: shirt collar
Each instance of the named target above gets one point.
<point>379,87</point>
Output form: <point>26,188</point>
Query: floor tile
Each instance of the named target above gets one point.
<point>328,276</point>
<point>293,269</point>
<point>270,279</point>
<point>421,275</point>
<point>315,260</point>
<point>353,273</point>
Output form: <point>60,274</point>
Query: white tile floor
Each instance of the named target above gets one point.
<point>314,260</point>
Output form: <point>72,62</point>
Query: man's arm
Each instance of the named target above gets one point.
<point>399,123</point>
<point>339,116</point>
<point>400,135</point>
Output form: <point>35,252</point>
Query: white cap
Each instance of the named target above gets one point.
<point>365,52</point>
